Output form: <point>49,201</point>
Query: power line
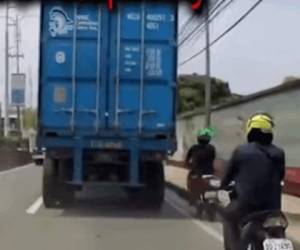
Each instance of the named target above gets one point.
<point>224,33</point>
<point>199,32</point>
<point>185,24</point>
<point>186,28</point>
<point>201,25</point>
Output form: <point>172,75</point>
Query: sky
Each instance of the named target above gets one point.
<point>256,55</point>
<point>259,52</point>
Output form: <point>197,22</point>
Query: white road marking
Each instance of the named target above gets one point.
<point>16,169</point>
<point>35,206</point>
<point>209,230</point>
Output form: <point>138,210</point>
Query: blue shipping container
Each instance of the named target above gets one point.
<point>107,81</point>
<point>92,78</point>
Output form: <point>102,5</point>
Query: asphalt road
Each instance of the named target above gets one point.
<point>101,219</point>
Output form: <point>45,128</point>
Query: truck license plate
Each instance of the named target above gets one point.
<point>278,244</point>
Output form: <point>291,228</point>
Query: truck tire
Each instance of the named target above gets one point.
<point>49,184</point>
<point>155,185</point>
<point>55,194</point>
<point>152,195</point>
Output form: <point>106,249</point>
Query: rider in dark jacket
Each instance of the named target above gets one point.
<point>199,160</point>
<point>257,169</point>
<point>201,156</point>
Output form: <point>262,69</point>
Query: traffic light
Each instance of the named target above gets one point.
<point>199,6</point>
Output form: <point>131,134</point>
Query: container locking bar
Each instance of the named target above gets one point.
<point>117,94</point>
<point>74,69</point>
<point>140,124</point>
<point>98,70</point>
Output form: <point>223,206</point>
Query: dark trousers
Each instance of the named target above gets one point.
<point>232,215</point>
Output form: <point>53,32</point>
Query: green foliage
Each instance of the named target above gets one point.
<point>30,118</point>
<point>12,143</point>
<point>191,92</point>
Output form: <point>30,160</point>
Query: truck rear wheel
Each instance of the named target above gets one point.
<point>55,194</point>
<point>154,192</point>
<point>152,195</point>
<point>49,184</point>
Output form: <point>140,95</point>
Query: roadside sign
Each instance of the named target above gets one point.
<point>18,89</point>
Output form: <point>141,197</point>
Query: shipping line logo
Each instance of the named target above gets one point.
<point>60,23</point>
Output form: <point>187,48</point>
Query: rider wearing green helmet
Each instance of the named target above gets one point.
<point>205,135</point>
<point>201,156</point>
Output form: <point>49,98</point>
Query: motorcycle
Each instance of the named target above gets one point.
<point>203,196</point>
<point>263,230</point>
<point>266,231</point>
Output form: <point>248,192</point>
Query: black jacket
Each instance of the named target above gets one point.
<point>201,158</point>
<point>257,171</point>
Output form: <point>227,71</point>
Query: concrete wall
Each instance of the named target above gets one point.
<point>230,123</point>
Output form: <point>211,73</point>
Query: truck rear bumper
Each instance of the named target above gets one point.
<point>104,184</point>
<point>134,146</point>
<point>167,145</point>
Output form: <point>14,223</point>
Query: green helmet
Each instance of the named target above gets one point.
<point>206,132</point>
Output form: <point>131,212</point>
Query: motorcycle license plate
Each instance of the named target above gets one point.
<point>278,244</point>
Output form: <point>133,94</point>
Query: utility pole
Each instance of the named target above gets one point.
<point>18,70</point>
<point>1,124</point>
<point>18,40</point>
<point>6,92</point>
<point>15,24</point>
<point>208,80</point>
<point>30,92</point>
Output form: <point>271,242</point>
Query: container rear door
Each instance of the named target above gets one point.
<point>142,79</point>
<point>72,77</point>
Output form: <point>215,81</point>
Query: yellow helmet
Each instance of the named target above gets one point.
<point>262,121</point>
